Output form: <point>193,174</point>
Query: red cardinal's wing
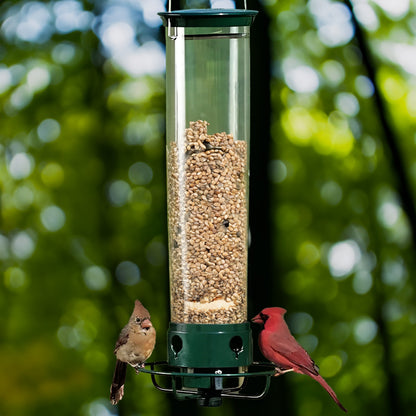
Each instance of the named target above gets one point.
<point>287,346</point>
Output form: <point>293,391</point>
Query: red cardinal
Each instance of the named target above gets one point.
<point>279,346</point>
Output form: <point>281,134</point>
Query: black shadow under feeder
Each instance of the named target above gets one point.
<point>208,125</point>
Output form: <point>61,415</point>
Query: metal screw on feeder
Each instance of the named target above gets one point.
<point>208,116</point>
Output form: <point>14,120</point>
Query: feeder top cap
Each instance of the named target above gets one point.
<point>208,17</point>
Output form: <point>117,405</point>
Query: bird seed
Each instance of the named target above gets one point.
<point>207,221</point>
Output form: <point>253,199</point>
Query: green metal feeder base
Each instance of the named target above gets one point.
<point>212,346</point>
<point>210,349</point>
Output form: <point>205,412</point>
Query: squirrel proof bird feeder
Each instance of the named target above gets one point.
<point>208,129</point>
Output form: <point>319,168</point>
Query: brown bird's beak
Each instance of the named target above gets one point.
<point>146,324</point>
<point>257,319</point>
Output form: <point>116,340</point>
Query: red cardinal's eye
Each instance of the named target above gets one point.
<point>264,317</point>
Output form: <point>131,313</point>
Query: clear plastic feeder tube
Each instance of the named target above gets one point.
<point>208,115</point>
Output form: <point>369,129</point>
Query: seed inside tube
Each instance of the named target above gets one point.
<point>207,200</point>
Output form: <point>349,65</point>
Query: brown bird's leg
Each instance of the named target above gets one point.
<point>138,367</point>
<point>117,386</point>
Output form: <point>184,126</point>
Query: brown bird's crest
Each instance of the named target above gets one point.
<point>140,310</point>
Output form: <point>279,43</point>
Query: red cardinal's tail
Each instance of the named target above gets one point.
<point>117,386</point>
<point>327,387</point>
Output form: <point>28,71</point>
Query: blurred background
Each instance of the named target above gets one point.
<point>83,195</point>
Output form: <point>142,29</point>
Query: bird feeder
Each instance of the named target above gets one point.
<point>207,135</point>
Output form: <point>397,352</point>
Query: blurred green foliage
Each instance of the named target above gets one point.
<point>82,188</point>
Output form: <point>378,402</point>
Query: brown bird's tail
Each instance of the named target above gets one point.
<point>327,387</point>
<point>117,386</point>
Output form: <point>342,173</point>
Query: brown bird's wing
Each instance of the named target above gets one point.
<point>287,346</point>
<point>122,339</point>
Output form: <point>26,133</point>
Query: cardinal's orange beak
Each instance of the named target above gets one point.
<point>146,324</point>
<point>257,319</point>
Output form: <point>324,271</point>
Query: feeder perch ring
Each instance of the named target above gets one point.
<point>270,372</point>
<point>212,395</point>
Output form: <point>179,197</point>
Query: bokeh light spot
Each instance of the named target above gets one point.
<point>5,79</point>
<point>364,86</point>
<point>277,171</point>
<point>396,9</point>
<point>53,218</point>
<point>138,132</point>
<point>118,193</point>
<point>118,36</point>
<point>96,277</point>
<point>308,254</point>
<point>23,197</point>
<point>148,58</point>
<point>362,282</point>
<point>52,175</point>
<point>288,20</point>
<point>70,16</point>
<point>64,53</point>
<point>151,8</point>
<point>366,15</point>
<point>333,71</point>
<point>299,125</point>
<point>21,97</point>
<point>393,273</point>
<point>333,21</point>
<point>21,165</point>
<point>38,79</point>
<point>22,245</point>
<point>365,330</point>
<point>331,193</point>
<point>18,72</point>
<point>330,366</point>
<point>302,78</point>
<point>394,87</point>
<point>347,103</point>
<point>49,130</point>
<point>388,213</point>
<point>32,23</point>
<point>343,257</point>
<point>68,336</point>
<point>140,173</point>
<point>128,273</point>
<point>15,278</point>
<point>369,146</point>
<point>300,322</point>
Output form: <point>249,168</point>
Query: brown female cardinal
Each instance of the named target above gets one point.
<point>134,346</point>
<point>279,346</point>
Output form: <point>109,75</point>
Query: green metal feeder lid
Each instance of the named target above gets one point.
<point>208,17</point>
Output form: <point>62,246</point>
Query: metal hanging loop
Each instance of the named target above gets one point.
<point>170,5</point>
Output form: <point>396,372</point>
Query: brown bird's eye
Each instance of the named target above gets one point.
<point>138,320</point>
